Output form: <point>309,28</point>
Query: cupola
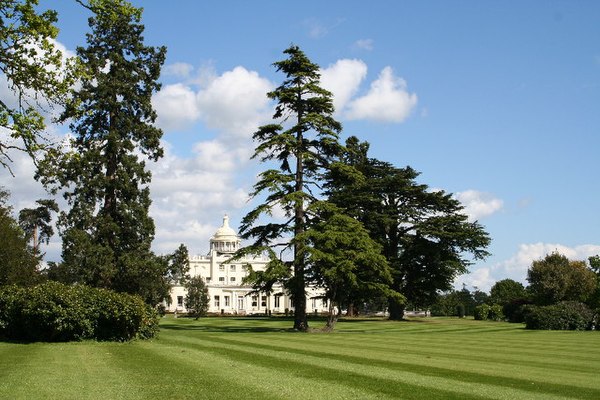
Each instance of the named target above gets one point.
<point>225,239</point>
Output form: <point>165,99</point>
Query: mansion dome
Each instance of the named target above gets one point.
<point>225,239</point>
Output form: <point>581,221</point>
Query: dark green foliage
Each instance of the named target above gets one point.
<point>107,232</point>
<point>55,312</point>
<point>18,261</point>
<point>505,291</point>
<point>426,236</point>
<point>565,315</point>
<point>555,278</point>
<point>303,139</point>
<point>35,222</point>
<point>196,298</point>
<point>345,261</point>
<point>460,311</point>
<point>514,310</point>
<point>594,300</point>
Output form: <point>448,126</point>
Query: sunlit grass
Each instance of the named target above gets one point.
<point>225,358</point>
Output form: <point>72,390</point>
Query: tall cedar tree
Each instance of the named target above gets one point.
<point>425,234</point>
<point>107,232</point>
<point>34,72</point>
<point>303,141</point>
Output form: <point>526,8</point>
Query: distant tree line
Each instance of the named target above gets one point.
<point>562,294</point>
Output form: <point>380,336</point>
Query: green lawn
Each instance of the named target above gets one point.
<point>252,358</point>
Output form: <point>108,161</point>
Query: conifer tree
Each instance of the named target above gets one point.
<point>107,232</point>
<point>425,234</point>
<point>302,140</point>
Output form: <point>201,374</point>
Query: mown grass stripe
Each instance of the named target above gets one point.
<point>463,375</point>
<point>59,370</point>
<point>376,383</point>
<point>508,356</point>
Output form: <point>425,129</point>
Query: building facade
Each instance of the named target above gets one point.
<point>224,280</point>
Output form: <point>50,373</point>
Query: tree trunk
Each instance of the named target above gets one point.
<point>300,319</point>
<point>332,317</point>
<point>396,310</point>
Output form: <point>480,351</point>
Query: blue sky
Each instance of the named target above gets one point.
<point>496,102</point>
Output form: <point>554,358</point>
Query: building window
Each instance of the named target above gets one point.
<point>232,279</point>
<point>226,301</point>
<point>263,302</point>
<point>232,268</point>
<point>217,301</point>
<point>244,268</point>
<point>324,303</point>
<point>314,303</point>
<point>277,298</point>
<point>221,279</point>
<point>254,301</point>
<point>179,301</point>
<point>221,267</point>
<point>240,302</point>
<point>207,279</point>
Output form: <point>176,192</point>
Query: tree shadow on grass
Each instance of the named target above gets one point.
<point>251,324</point>
<point>227,325</point>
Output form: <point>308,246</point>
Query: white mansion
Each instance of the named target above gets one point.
<point>224,280</point>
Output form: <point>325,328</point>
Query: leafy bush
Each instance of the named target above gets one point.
<point>460,311</point>
<point>515,310</point>
<point>481,312</point>
<point>495,313</point>
<point>485,311</point>
<point>566,315</point>
<point>57,312</point>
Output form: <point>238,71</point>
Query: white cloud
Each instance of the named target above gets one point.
<point>176,107</point>
<point>364,44</point>
<point>517,265</point>
<point>343,80</point>
<point>386,101</point>
<point>478,204</point>
<point>234,103</point>
<point>180,69</point>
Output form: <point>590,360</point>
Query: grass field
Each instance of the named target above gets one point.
<point>252,358</point>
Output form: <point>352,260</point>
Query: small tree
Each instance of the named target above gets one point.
<point>505,291</point>
<point>345,260</point>
<point>555,278</point>
<point>36,222</point>
<point>196,299</point>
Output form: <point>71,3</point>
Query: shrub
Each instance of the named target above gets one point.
<point>514,311</point>
<point>566,315</point>
<point>495,313</point>
<point>460,311</point>
<point>485,311</point>
<point>57,312</point>
<point>481,312</point>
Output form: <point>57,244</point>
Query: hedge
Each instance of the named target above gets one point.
<point>55,312</point>
<point>566,315</point>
